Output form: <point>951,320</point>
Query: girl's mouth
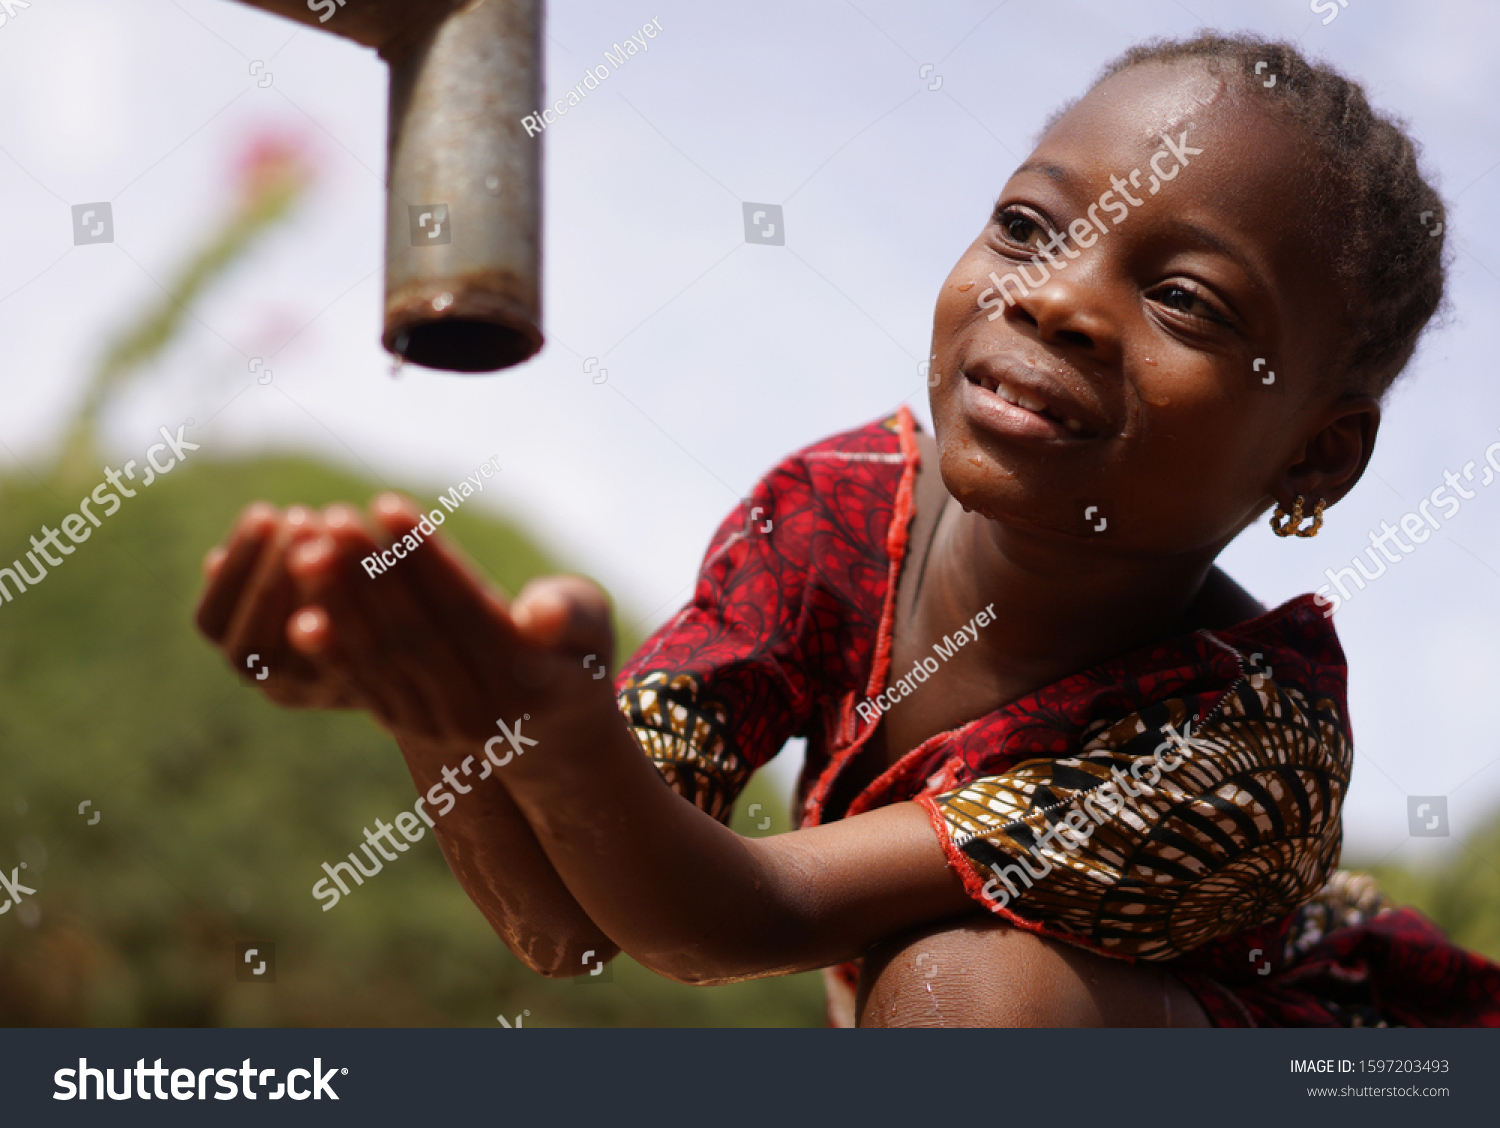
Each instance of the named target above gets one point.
<point>1004,405</point>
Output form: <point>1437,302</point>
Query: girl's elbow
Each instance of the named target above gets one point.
<point>565,961</point>
<point>699,969</point>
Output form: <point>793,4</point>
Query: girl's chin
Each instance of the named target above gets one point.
<point>986,487</point>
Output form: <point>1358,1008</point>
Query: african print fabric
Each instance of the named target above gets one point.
<point>1225,828</point>
<point>1179,804</point>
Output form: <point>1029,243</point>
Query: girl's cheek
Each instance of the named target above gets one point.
<point>959,296</point>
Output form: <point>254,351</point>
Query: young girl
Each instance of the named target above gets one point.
<point>1060,769</point>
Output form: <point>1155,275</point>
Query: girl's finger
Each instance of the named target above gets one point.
<point>447,586</point>
<point>421,636</point>
<point>257,623</point>
<point>355,640</point>
<point>311,634</point>
<point>565,613</point>
<point>228,574</point>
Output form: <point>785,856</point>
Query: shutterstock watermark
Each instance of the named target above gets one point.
<point>326,9</point>
<point>1086,232</point>
<point>1101,804</point>
<point>187,1084</point>
<point>407,823</point>
<point>77,529</point>
<point>8,9</point>
<point>13,889</point>
<point>1418,526</point>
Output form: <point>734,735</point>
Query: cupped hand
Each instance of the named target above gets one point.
<point>426,646</point>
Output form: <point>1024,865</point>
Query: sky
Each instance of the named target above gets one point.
<point>882,130</point>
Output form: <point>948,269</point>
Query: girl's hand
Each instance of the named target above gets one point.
<point>426,646</point>
<point>437,657</point>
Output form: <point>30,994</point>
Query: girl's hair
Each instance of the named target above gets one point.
<point>1382,228</point>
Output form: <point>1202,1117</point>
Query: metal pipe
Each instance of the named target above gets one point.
<point>464,191</point>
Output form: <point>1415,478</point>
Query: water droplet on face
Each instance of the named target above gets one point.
<point>1151,362</point>
<point>965,287</point>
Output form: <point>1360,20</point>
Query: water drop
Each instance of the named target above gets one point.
<point>399,351</point>
<point>965,287</point>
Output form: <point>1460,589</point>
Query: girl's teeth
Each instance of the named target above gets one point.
<point>1029,403</point>
<point>1022,400</point>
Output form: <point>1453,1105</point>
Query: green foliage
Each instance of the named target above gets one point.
<point>1462,897</point>
<point>218,808</point>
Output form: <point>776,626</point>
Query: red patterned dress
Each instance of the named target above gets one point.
<point>1218,859</point>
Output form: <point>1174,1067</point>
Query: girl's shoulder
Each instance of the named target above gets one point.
<point>828,515</point>
<point>876,454</point>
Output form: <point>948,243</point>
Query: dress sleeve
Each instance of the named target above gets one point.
<point>718,690</point>
<point>1164,832</point>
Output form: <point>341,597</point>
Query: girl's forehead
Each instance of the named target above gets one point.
<point>1133,109</point>
<point>1247,158</point>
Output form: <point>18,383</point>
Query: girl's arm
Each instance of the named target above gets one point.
<point>452,669</point>
<point>492,851</point>
<point>486,840</point>
<point>694,901</point>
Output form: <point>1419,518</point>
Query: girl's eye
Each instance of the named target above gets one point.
<point>1191,302</point>
<point>1019,228</point>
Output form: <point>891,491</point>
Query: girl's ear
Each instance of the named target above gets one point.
<point>1334,455</point>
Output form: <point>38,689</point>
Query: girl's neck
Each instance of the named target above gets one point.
<point>1060,611</point>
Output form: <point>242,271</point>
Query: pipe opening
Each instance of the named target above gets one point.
<point>463,344</point>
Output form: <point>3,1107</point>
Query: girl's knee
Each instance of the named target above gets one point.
<point>984,972</point>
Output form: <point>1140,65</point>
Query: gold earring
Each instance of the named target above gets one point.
<point>1285,525</point>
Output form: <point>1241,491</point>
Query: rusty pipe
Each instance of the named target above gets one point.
<point>463,180</point>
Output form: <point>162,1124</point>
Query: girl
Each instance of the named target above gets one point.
<point>1061,770</point>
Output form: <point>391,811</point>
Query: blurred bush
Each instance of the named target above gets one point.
<point>1462,897</point>
<point>218,808</point>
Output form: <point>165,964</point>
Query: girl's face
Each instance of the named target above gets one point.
<point>1156,364</point>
